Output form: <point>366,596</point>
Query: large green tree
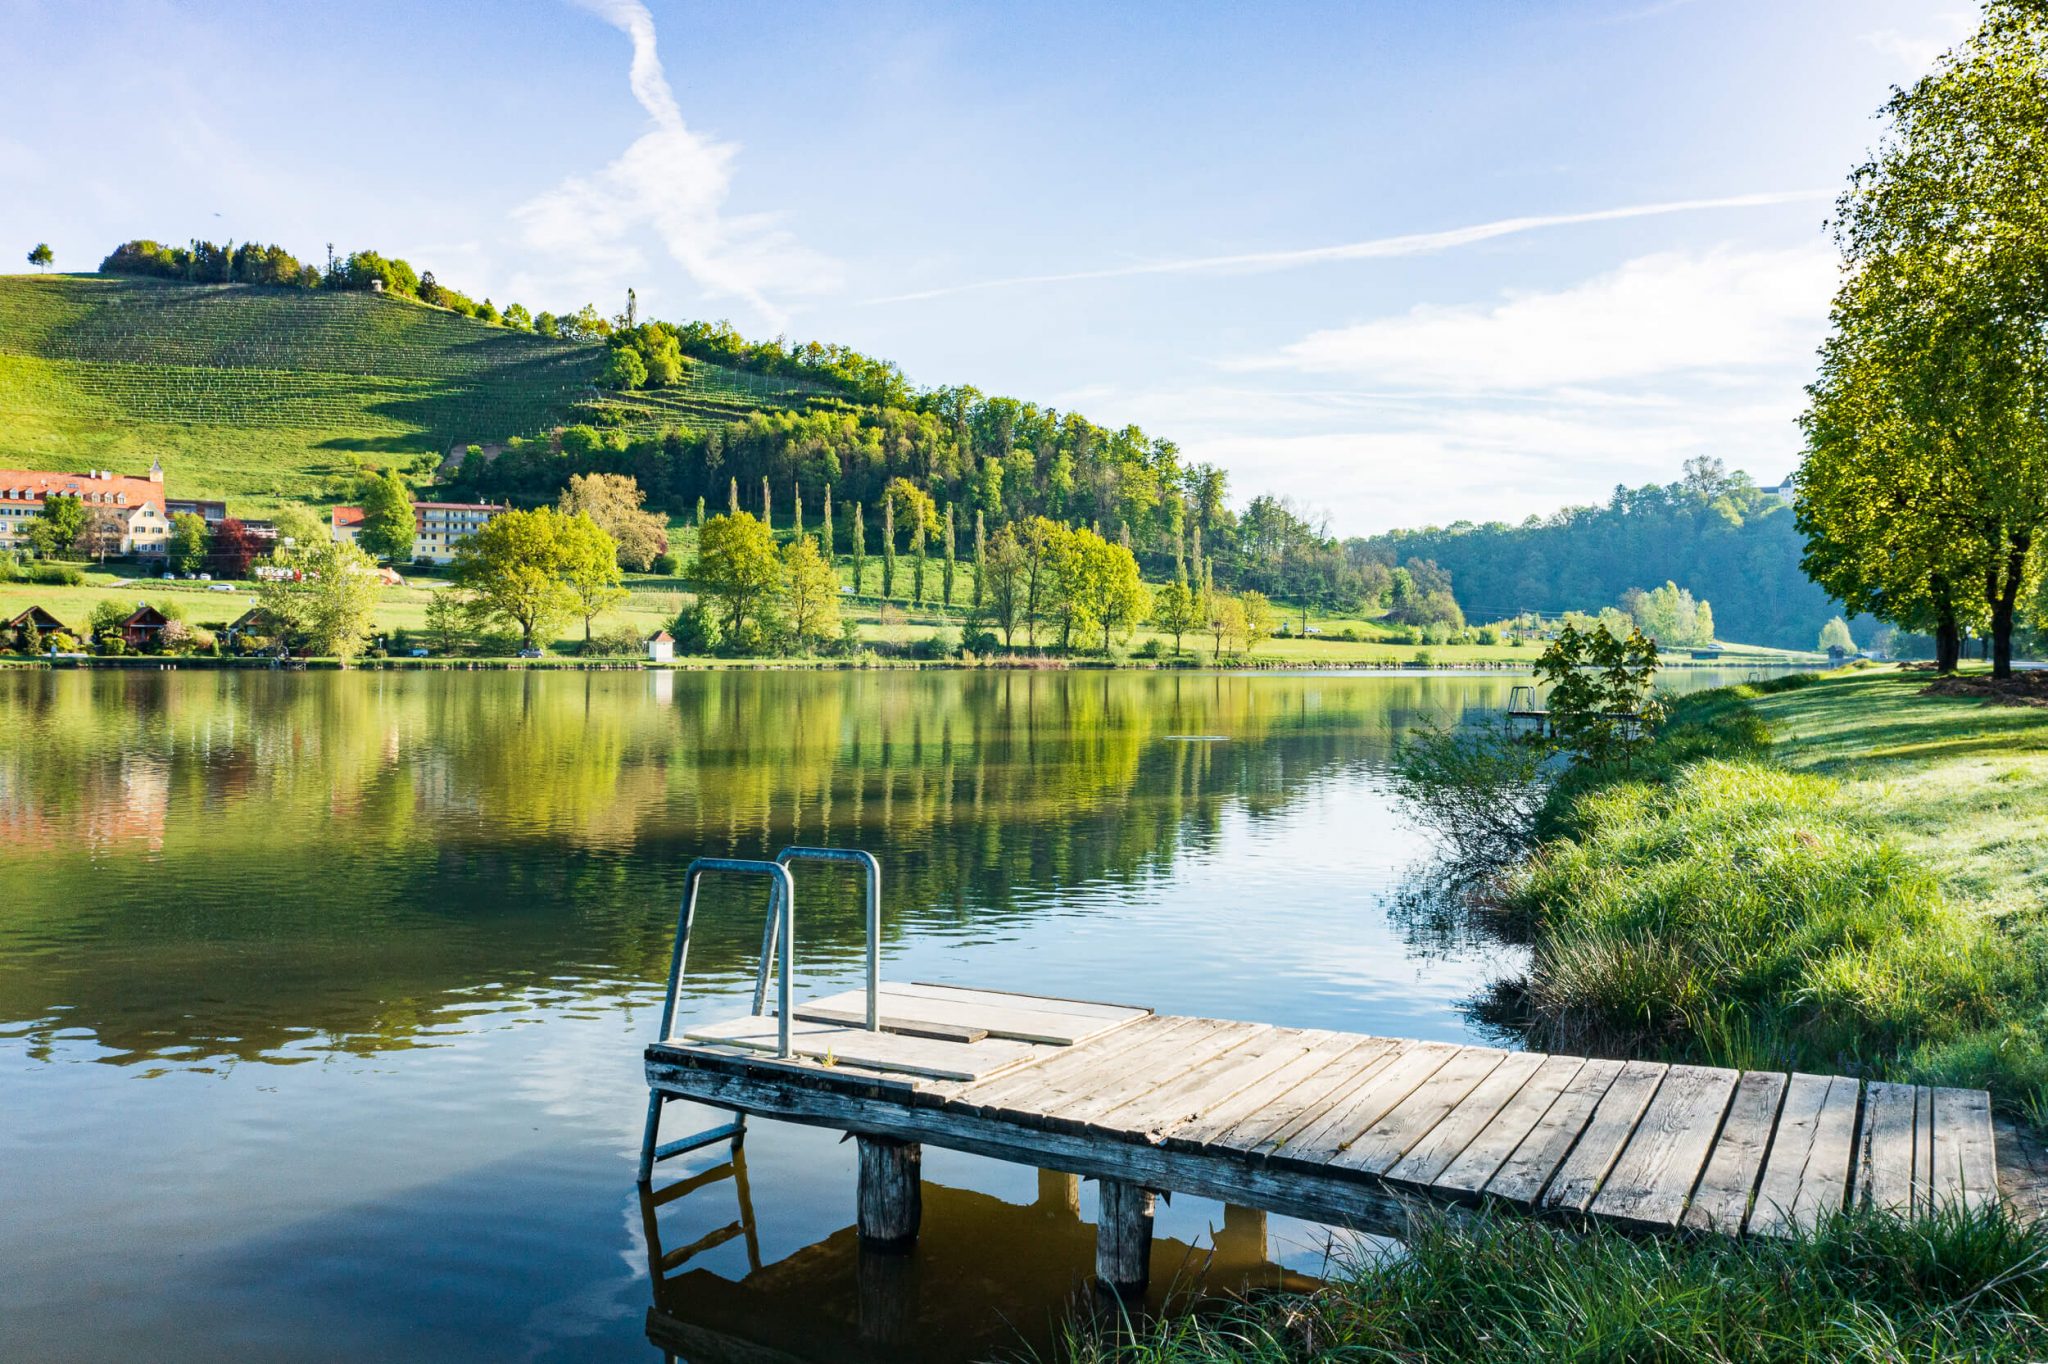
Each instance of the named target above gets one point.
<point>516,569</point>
<point>388,522</point>
<point>590,566</point>
<point>187,547</point>
<point>1926,480</point>
<point>738,568</point>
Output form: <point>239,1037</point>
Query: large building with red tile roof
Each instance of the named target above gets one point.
<point>134,504</point>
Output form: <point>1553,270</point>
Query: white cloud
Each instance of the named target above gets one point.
<point>1656,315</point>
<point>1533,401</point>
<point>1375,248</point>
<point>672,185</point>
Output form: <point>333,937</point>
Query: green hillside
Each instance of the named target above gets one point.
<point>261,394</point>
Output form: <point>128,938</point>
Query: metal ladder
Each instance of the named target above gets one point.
<point>778,934</point>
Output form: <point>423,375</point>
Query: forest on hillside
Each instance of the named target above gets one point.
<point>1713,532</point>
<point>864,425</point>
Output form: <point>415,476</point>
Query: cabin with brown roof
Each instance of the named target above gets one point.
<point>144,628</point>
<point>34,619</point>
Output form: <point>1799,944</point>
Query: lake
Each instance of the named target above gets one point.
<point>322,995</point>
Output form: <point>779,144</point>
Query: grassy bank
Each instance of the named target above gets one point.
<point>1507,1291</point>
<point>1837,874</point>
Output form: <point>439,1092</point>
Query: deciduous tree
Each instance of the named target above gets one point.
<point>810,595</point>
<point>185,551</point>
<point>614,502</point>
<point>515,570</point>
<point>388,521</point>
<point>738,568</point>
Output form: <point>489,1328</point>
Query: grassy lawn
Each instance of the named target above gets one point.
<point>1960,784</point>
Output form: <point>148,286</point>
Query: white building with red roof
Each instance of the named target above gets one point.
<point>134,505</point>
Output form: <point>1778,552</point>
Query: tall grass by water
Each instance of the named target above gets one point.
<point>1964,1286</point>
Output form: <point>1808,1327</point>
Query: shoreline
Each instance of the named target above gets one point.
<point>198,663</point>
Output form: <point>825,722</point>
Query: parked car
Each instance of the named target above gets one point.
<point>529,653</point>
<point>170,577</point>
<point>419,652</point>
<point>206,577</point>
<point>222,587</point>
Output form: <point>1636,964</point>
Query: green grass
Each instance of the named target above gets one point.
<point>262,395</point>
<point>1964,1287</point>
<point>1842,876</point>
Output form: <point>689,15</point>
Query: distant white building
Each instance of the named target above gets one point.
<point>662,648</point>
<point>135,504</point>
<point>1784,491</point>
<point>437,527</point>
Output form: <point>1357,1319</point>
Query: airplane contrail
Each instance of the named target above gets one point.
<point>1376,248</point>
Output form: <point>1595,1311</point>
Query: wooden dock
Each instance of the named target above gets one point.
<point>1334,1127</point>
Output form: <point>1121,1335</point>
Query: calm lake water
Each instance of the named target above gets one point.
<point>322,995</point>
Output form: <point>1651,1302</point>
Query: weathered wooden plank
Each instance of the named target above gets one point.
<point>1654,1176</point>
<point>909,1027</point>
<point>1884,1154</point>
<point>1824,1184</point>
<point>1380,1147</point>
<point>1012,1018</point>
<point>1525,1174</point>
<point>1476,1112</point>
<point>1146,1073</point>
<point>1281,1091</point>
<point>876,1051</point>
<point>1490,1147</point>
<point>1923,1146</point>
<point>1778,1189</point>
<point>1721,1201</point>
<point>1069,1064</point>
<point>1090,1074</point>
<point>1215,1082</point>
<point>1307,1102</point>
<point>1614,1120</point>
<point>1080,1008</point>
<point>1319,1142</point>
<point>1965,1166</point>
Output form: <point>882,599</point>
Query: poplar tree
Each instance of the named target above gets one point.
<point>825,528</point>
<point>888,547</point>
<point>700,512</point>
<point>797,511</point>
<point>733,498</point>
<point>860,552</point>
<point>949,555</point>
<point>917,543</point>
<point>980,558</point>
<point>767,508</point>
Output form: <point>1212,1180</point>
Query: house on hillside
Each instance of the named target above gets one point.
<point>210,511</point>
<point>135,506</point>
<point>437,527</point>
<point>345,523</point>
<point>34,619</point>
<point>143,629</point>
<point>1784,490</point>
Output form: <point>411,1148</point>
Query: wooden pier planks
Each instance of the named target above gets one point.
<point>1333,1124</point>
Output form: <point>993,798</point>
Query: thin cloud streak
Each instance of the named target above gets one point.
<point>1377,248</point>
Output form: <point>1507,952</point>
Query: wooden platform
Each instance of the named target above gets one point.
<point>1344,1128</point>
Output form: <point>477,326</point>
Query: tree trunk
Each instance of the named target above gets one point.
<point>1948,643</point>
<point>2002,606</point>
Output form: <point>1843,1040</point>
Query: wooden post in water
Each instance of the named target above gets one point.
<point>1123,1238</point>
<point>891,1191</point>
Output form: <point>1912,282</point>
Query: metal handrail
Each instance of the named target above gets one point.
<point>871,870</point>
<point>781,925</point>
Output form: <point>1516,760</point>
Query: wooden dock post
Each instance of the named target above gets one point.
<point>891,1191</point>
<point>1059,1193</point>
<point>1123,1238</point>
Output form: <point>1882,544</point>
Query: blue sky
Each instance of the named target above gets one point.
<point>1246,228</point>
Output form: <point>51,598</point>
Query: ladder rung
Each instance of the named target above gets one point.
<point>697,1141</point>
